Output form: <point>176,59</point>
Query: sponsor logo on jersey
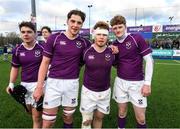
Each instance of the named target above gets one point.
<point>91,57</point>
<point>37,53</point>
<point>128,45</point>
<point>78,44</point>
<point>62,42</point>
<point>22,54</point>
<point>107,57</point>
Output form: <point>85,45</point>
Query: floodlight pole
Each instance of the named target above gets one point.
<point>135,16</point>
<point>89,6</point>
<point>33,12</point>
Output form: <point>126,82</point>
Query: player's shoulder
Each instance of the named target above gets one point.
<point>55,35</point>
<point>108,49</point>
<point>17,48</point>
<point>88,49</point>
<point>115,42</point>
<point>135,35</point>
<point>40,44</point>
<point>86,41</point>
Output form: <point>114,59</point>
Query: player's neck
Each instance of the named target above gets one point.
<point>69,35</point>
<point>123,37</point>
<point>29,45</point>
<point>98,48</point>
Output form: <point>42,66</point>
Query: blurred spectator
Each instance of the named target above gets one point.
<point>167,44</point>
<point>46,32</point>
<point>5,53</point>
<point>176,44</point>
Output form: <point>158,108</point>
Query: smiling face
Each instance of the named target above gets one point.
<point>74,25</point>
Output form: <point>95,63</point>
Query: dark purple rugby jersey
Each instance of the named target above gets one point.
<point>97,72</point>
<point>29,60</point>
<point>65,55</point>
<point>130,58</point>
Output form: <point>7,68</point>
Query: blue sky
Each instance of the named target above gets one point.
<point>53,12</point>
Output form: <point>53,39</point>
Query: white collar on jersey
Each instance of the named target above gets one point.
<point>70,38</point>
<point>31,47</point>
<point>122,38</point>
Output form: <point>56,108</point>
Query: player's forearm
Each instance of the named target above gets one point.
<point>13,74</point>
<point>43,71</point>
<point>148,69</point>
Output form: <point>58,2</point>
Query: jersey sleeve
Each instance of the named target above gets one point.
<point>144,48</point>
<point>87,43</point>
<point>15,58</point>
<point>49,46</point>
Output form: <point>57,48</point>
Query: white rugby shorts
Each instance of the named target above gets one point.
<point>92,100</point>
<point>129,91</point>
<point>61,92</point>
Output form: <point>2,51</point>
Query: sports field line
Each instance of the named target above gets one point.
<point>167,63</point>
<point>177,61</point>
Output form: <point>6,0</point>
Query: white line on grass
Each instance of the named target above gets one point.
<point>177,61</point>
<point>167,64</point>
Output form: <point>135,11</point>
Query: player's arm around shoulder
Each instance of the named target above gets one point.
<point>114,49</point>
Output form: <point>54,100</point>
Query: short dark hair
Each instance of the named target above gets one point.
<point>101,25</point>
<point>47,28</point>
<point>77,12</point>
<point>118,19</point>
<point>27,24</point>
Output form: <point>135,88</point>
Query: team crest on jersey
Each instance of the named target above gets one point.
<point>91,57</point>
<point>45,103</point>
<point>128,45</point>
<point>107,108</point>
<point>73,101</point>
<point>78,44</point>
<point>140,101</point>
<point>107,57</point>
<point>22,54</point>
<point>62,42</point>
<point>37,53</point>
<point>82,109</point>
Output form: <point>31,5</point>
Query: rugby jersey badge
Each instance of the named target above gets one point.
<point>107,57</point>
<point>37,53</point>
<point>78,44</point>
<point>128,45</point>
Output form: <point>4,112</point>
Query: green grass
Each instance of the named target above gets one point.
<point>162,112</point>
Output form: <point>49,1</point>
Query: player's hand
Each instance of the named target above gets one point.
<point>146,90</point>
<point>38,92</point>
<point>9,89</point>
<point>114,49</point>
